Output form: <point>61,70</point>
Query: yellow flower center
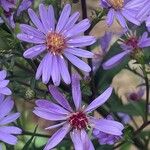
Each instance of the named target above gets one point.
<point>116,4</point>
<point>55,43</point>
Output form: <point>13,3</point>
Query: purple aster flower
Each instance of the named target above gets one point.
<point>8,6</point>
<point>63,41</point>
<point>7,132</point>
<point>104,42</point>
<point>131,46</point>
<point>25,4</point>
<point>136,95</point>
<point>3,83</point>
<point>122,10</point>
<point>105,138</point>
<point>77,121</point>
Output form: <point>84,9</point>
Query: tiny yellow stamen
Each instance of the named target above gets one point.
<point>116,4</point>
<point>55,43</point>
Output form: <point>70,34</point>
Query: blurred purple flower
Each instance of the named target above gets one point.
<point>132,46</point>
<point>58,42</point>
<point>122,10</point>
<point>75,121</point>
<point>3,83</point>
<point>105,138</point>
<point>104,42</point>
<point>125,118</point>
<point>7,133</point>
<point>25,4</point>
<point>8,6</point>
<point>136,95</point>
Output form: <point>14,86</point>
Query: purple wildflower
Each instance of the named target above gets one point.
<point>122,10</point>
<point>136,95</point>
<point>58,42</point>
<point>75,121</point>
<point>105,138</point>
<point>132,46</point>
<point>3,83</point>
<point>7,133</point>
<point>8,6</point>
<point>25,4</point>
<point>104,42</point>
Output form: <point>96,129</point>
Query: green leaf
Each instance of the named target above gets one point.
<point>26,146</point>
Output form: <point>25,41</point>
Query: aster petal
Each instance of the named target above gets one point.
<point>7,138</point>
<point>77,62</point>
<point>10,118</point>
<point>56,125</point>
<point>34,51</point>
<point>1,98</point>
<point>71,21</point>
<point>40,69</point>
<point>63,19</point>
<point>81,41</point>
<point>43,16</point>
<point>57,137</point>
<point>59,97</point>
<point>3,74</point>
<point>36,20</point>
<point>99,100</point>
<point>45,114</point>
<point>4,83</point>
<point>106,127</point>
<point>126,13</point>
<point>143,37</point>
<point>10,130</point>
<point>47,68</point>
<point>80,52</point>
<point>148,21</point>
<point>64,70</point>
<point>79,28</point>
<point>87,144</point>
<point>51,18</point>
<point>115,60</point>
<point>76,91</point>
<point>5,107</point>
<point>30,38</point>
<point>110,17</point>
<point>55,71</point>
<point>29,30</point>
<point>76,139</point>
<point>51,106</point>
<point>5,91</point>
<point>145,43</point>
<point>121,19</point>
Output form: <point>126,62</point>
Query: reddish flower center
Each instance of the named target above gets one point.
<point>116,4</point>
<point>133,41</point>
<point>133,96</point>
<point>55,43</point>
<point>78,120</point>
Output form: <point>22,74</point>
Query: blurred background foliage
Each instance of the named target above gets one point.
<point>124,78</point>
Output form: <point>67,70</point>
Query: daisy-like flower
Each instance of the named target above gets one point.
<point>7,132</point>
<point>122,10</point>
<point>3,83</point>
<point>105,138</point>
<point>76,121</point>
<point>65,40</point>
<point>131,46</point>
